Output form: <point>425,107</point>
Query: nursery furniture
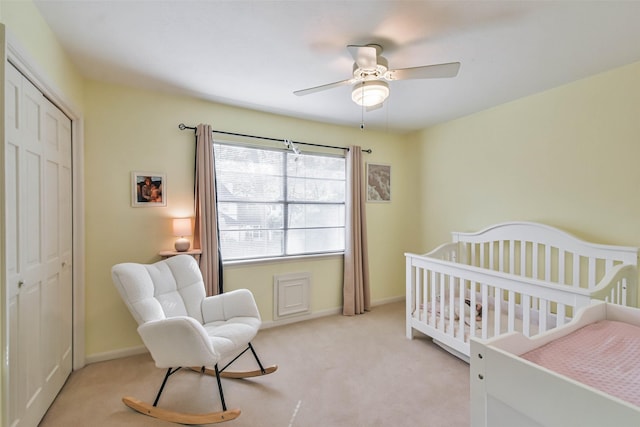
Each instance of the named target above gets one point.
<point>515,276</point>
<point>181,327</point>
<point>601,388</point>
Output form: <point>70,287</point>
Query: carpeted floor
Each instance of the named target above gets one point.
<point>334,371</point>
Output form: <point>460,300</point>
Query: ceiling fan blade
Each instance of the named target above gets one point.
<point>425,72</point>
<point>323,87</point>
<point>364,56</point>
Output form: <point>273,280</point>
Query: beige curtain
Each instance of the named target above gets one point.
<point>206,224</point>
<point>356,264</point>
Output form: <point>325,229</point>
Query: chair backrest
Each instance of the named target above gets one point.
<point>168,288</point>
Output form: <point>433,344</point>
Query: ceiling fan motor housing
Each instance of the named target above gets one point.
<point>377,72</point>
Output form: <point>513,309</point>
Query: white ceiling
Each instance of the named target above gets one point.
<point>254,54</point>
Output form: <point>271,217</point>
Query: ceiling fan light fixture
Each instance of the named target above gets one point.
<point>370,93</point>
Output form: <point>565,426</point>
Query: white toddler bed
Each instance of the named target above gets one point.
<point>515,276</point>
<point>515,379</point>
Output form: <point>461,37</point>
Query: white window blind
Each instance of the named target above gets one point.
<point>275,203</point>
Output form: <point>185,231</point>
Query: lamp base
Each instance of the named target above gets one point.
<point>182,244</point>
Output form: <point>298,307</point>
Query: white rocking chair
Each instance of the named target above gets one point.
<point>181,327</point>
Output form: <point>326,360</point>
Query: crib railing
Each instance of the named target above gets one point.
<point>508,303</point>
<point>541,252</point>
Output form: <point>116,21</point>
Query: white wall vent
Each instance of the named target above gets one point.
<point>291,295</point>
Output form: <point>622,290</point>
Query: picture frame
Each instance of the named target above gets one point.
<point>148,189</point>
<point>378,183</point>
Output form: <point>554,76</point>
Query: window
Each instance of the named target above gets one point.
<point>274,203</point>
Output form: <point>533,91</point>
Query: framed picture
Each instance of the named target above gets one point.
<point>148,189</point>
<point>378,182</point>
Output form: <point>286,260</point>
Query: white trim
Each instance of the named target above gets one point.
<point>116,354</point>
<point>132,351</point>
<point>323,313</point>
<point>21,59</point>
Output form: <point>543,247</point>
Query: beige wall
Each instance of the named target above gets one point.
<point>128,130</point>
<point>567,157</point>
<point>28,31</point>
<point>135,130</point>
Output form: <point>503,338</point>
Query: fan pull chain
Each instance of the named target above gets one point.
<point>362,111</point>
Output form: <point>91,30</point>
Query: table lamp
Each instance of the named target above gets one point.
<point>182,228</point>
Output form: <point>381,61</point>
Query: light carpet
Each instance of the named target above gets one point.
<point>333,371</point>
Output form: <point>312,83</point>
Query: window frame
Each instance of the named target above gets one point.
<point>285,202</point>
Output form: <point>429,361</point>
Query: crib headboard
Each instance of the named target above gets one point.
<point>543,252</point>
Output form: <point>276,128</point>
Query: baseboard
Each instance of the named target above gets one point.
<point>132,351</point>
<point>323,313</point>
<point>300,318</point>
<point>387,300</point>
<point>115,354</point>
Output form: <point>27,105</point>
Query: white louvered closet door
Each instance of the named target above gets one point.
<point>39,249</point>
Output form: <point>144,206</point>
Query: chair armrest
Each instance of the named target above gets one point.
<point>238,303</point>
<point>178,341</point>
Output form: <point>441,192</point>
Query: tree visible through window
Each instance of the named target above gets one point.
<point>275,203</point>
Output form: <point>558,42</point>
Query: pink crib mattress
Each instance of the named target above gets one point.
<point>604,355</point>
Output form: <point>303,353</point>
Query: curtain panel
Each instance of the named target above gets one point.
<point>206,236</point>
<point>356,294</point>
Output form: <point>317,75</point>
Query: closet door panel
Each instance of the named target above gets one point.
<point>38,195</point>
<point>13,92</point>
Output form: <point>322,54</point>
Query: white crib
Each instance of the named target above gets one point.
<point>524,277</point>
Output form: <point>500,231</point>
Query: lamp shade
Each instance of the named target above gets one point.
<point>182,227</point>
<point>370,93</point>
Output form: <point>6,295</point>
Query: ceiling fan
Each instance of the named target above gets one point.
<point>371,73</point>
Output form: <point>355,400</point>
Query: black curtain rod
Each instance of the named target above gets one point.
<point>182,126</point>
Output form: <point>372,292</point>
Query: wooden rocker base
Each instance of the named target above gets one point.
<point>180,417</point>
<point>244,374</point>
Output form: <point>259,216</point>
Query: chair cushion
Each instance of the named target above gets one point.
<point>233,334</point>
<point>168,288</point>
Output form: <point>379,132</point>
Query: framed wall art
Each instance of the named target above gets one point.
<point>378,182</point>
<point>148,189</point>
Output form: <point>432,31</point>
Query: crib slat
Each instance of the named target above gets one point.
<point>547,262</point>
<point>492,257</point>
<point>526,315</point>
<point>442,298</point>
<point>576,270</point>
<point>561,265</point>
<point>425,294</point>
<point>512,311</point>
<point>542,315</point>
<point>562,314</point>
<point>461,303</point>
<point>497,304</point>
<point>473,260</point>
<point>452,317</point>
<point>523,258</point>
<point>417,287</point>
<point>484,301</point>
<point>472,298</point>
<point>592,272</point>
<point>512,257</point>
<point>434,294</point>
<point>534,260</point>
